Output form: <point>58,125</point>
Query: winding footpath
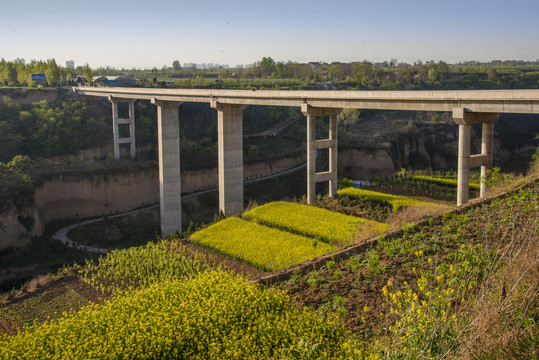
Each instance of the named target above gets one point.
<point>62,234</point>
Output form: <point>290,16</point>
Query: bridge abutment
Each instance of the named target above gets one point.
<point>465,119</point>
<point>168,129</point>
<point>230,156</point>
<point>313,145</point>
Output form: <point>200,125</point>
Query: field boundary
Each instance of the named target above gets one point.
<point>282,275</point>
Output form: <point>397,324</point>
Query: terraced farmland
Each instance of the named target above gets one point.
<point>461,285</point>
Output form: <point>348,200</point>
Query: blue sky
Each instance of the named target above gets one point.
<point>154,33</point>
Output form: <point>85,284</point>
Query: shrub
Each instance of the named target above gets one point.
<point>139,267</point>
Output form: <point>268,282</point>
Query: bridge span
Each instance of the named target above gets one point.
<point>467,106</point>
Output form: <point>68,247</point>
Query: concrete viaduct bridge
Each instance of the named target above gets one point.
<point>467,106</point>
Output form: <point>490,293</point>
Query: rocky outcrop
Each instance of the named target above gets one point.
<point>364,163</point>
<point>67,197</point>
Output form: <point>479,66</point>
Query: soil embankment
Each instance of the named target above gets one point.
<point>77,195</point>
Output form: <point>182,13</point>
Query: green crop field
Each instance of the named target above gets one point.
<point>329,226</point>
<point>395,201</point>
<point>266,248</point>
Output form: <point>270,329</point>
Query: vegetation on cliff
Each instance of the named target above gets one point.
<point>15,182</point>
<point>43,129</point>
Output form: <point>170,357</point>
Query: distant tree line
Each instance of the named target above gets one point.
<point>269,74</point>
<point>12,73</point>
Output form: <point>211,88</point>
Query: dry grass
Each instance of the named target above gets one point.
<point>499,182</point>
<point>36,283</point>
<point>414,213</point>
<point>506,310</point>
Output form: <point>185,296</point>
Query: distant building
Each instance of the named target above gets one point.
<point>315,65</point>
<point>80,79</point>
<point>19,61</point>
<point>70,64</point>
<point>114,81</point>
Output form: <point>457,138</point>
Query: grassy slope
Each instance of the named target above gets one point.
<point>468,274</point>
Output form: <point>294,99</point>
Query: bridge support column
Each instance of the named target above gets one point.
<point>487,140</point>
<point>313,145</point>
<point>465,119</point>
<point>116,122</point>
<point>168,132</point>
<point>230,156</point>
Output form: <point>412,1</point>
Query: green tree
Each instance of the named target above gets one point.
<point>52,72</point>
<point>432,75</point>
<point>492,74</point>
<point>348,117</point>
<point>20,163</point>
<point>361,74</point>
<point>442,70</point>
<point>267,66</point>
<point>88,73</point>
<point>176,65</point>
<point>11,73</point>
<point>336,72</point>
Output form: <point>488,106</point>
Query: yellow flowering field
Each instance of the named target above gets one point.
<point>329,226</point>
<point>138,267</point>
<point>395,201</point>
<point>266,248</point>
<point>213,316</point>
<point>441,181</point>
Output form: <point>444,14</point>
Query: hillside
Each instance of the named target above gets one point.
<point>459,285</point>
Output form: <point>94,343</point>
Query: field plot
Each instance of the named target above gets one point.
<point>264,247</point>
<point>201,318</point>
<point>329,226</point>
<point>396,202</point>
<point>442,181</point>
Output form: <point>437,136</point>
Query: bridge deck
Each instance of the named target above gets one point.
<point>489,101</point>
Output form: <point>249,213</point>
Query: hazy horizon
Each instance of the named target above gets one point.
<point>134,34</point>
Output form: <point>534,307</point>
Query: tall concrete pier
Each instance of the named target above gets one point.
<point>465,118</point>
<point>168,134</point>
<point>468,108</point>
<point>230,157</point>
<point>313,145</point>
